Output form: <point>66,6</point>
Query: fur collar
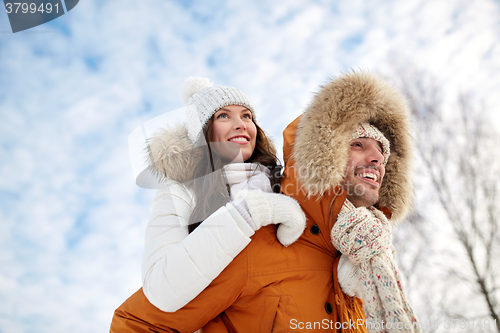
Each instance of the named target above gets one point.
<point>321,146</point>
<point>172,155</point>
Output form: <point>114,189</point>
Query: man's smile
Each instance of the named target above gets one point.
<point>370,175</point>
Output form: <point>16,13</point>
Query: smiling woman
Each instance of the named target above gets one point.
<point>232,137</point>
<point>219,170</point>
<point>234,123</point>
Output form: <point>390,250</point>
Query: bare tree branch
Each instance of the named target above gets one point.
<point>458,154</point>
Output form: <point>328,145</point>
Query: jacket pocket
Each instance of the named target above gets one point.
<point>270,310</point>
<point>279,310</point>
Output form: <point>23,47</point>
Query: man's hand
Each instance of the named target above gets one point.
<point>348,275</point>
<point>361,233</point>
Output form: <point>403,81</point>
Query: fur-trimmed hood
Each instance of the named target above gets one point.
<point>321,146</point>
<point>172,155</point>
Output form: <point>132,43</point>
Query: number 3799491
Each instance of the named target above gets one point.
<point>32,8</point>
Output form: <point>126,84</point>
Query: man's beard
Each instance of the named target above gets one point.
<point>357,194</point>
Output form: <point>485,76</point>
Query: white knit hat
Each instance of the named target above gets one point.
<point>203,99</point>
<point>366,130</point>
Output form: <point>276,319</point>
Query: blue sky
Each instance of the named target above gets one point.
<point>72,219</point>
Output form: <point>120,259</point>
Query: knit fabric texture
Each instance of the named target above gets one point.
<point>242,208</point>
<point>246,176</point>
<point>364,235</point>
<point>348,274</point>
<point>367,130</point>
<point>274,208</point>
<point>205,102</point>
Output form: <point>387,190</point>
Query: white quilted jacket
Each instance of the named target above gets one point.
<point>177,265</point>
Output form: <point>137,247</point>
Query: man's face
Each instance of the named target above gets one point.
<point>365,172</point>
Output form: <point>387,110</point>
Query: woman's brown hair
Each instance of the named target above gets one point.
<point>209,184</point>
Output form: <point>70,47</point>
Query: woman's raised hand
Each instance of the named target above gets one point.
<point>272,208</point>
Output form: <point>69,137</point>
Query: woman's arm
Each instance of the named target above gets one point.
<point>177,266</point>
<point>137,315</point>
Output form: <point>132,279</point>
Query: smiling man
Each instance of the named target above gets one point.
<point>369,151</point>
<point>348,164</point>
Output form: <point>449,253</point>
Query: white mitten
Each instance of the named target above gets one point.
<point>242,208</point>
<point>273,208</point>
<point>348,275</point>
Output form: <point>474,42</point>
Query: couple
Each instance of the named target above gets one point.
<point>224,253</point>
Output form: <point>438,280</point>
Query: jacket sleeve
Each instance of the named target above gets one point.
<point>137,315</point>
<point>177,266</point>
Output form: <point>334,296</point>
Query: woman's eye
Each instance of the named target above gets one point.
<point>356,144</point>
<point>222,115</point>
<point>247,116</point>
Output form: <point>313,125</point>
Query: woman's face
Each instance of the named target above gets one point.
<point>233,123</point>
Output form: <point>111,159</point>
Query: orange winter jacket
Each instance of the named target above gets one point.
<point>267,287</point>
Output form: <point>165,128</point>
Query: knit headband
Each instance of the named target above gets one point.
<point>366,130</point>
